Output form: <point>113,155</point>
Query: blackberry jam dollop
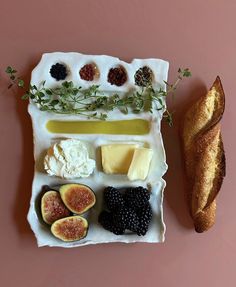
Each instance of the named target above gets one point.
<point>58,71</point>
<point>143,77</point>
<point>88,72</point>
<point>117,76</point>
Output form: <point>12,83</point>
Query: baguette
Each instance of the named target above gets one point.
<point>204,155</point>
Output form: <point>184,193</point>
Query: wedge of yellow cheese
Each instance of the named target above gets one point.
<point>140,164</point>
<point>116,158</point>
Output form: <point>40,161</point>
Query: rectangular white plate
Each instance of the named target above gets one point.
<point>44,139</point>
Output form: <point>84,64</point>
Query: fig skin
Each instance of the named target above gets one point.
<point>52,207</point>
<point>72,228</point>
<point>78,198</point>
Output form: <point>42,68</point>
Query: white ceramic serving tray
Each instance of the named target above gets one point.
<point>98,180</point>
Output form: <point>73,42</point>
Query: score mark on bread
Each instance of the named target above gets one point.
<point>204,155</point>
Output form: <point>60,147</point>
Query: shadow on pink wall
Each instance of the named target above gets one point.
<point>176,190</point>
<point>23,193</point>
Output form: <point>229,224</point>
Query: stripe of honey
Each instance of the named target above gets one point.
<point>122,127</point>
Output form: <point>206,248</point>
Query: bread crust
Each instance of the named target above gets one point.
<point>204,155</point>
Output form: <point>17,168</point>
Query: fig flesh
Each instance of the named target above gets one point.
<point>78,198</point>
<point>52,207</point>
<point>70,228</point>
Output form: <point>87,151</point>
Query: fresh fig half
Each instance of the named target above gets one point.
<point>52,207</point>
<point>70,228</point>
<point>78,198</point>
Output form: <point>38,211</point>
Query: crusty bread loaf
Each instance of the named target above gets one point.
<point>204,155</point>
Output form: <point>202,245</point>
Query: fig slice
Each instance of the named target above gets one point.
<point>71,228</point>
<point>52,207</point>
<point>78,198</point>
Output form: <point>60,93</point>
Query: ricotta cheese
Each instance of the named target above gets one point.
<point>69,159</point>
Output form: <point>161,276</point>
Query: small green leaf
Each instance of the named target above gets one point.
<point>25,96</point>
<point>103,116</point>
<point>67,84</point>
<point>75,91</point>
<point>43,108</point>
<point>21,83</point>
<point>125,110</point>
<point>40,94</point>
<point>48,91</point>
<point>187,73</point>
<point>160,102</point>
<point>54,103</point>
<point>10,70</point>
<point>168,116</point>
<point>120,103</point>
<point>46,101</point>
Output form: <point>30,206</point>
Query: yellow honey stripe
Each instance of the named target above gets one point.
<point>125,127</point>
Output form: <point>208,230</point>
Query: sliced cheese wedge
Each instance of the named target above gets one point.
<point>140,164</point>
<point>116,158</point>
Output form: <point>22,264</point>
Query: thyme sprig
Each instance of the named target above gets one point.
<point>70,99</point>
<point>14,80</point>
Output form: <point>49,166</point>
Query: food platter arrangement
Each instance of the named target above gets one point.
<point>99,154</point>
<point>98,176</point>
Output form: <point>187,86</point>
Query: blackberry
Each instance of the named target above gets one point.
<point>142,228</point>
<point>145,212</point>
<point>145,216</point>
<point>113,198</point>
<point>117,230</point>
<point>137,197</point>
<point>106,220</point>
<point>58,71</point>
<point>126,218</point>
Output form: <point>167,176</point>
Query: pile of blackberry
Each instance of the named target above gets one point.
<point>58,71</point>
<point>126,210</point>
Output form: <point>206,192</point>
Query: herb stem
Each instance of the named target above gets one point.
<point>63,99</point>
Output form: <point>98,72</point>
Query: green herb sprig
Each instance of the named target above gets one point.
<point>69,99</point>
<point>14,79</point>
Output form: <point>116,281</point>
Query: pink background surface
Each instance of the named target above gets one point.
<point>195,34</point>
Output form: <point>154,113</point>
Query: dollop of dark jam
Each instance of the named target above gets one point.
<point>58,71</point>
<point>117,76</point>
<point>88,72</point>
<point>143,77</point>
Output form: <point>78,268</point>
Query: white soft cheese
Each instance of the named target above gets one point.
<point>69,159</point>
